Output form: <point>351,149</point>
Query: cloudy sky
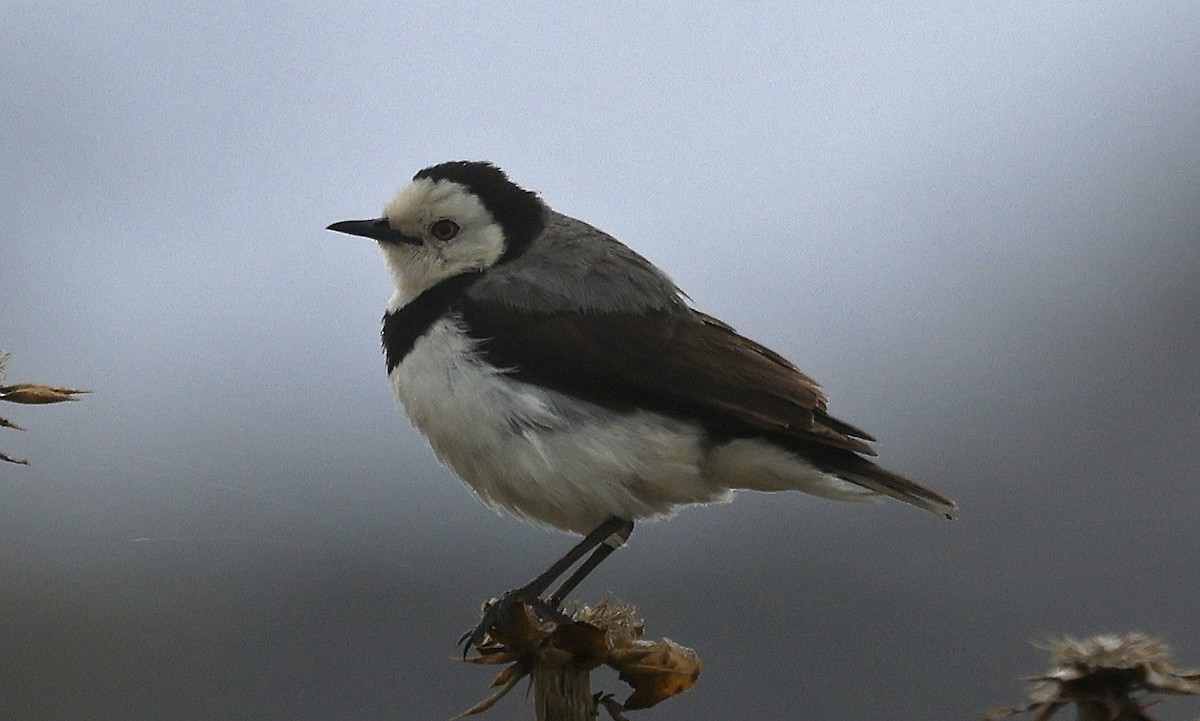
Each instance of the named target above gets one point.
<point>979,228</point>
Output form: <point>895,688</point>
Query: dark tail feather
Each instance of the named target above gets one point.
<point>881,480</point>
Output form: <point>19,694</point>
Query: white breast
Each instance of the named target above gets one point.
<point>541,454</point>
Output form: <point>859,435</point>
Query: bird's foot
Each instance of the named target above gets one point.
<point>496,613</point>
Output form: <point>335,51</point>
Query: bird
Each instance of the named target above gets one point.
<point>564,377</point>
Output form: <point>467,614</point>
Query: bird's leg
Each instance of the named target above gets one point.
<point>603,551</point>
<point>532,591</point>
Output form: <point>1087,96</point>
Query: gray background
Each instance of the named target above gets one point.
<point>977,227</point>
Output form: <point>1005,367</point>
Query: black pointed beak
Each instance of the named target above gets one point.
<point>376,229</point>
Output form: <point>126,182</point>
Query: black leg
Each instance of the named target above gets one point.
<point>533,590</point>
<point>603,551</point>
<point>597,537</point>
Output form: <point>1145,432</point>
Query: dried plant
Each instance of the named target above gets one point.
<point>29,394</point>
<point>608,633</point>
<point>1106,677</point>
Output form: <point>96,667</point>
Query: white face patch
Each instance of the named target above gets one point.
<point>478,244</point>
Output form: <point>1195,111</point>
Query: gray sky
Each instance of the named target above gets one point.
<point>979,228</point>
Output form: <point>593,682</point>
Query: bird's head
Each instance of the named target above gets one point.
<point>453,218</point>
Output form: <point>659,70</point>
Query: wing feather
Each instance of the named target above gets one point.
<point>683,364</point>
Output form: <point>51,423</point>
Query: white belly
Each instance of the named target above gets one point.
<point>541,454</point>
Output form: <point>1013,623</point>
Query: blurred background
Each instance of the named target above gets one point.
<point>978,226</point>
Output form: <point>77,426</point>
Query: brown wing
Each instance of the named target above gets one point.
<point>689,365</point>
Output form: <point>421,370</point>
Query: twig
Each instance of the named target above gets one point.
<point>9,459</point>
<point>562,692</point>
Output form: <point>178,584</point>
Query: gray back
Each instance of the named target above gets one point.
<point>572,266</point>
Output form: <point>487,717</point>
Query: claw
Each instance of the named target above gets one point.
<point>496,611</point>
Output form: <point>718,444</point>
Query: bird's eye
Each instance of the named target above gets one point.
<point>444,229</point>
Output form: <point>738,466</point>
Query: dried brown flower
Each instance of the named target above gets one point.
<point>608,633</point>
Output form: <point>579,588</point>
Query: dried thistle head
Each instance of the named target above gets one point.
<point>619,620</point>
<point>609,633</point>
<point>1105,677</point>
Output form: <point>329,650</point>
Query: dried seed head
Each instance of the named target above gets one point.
<point>1105,676</point>
<point>617,619</point>
<point>33,393</point>
<point>29,393</point>
<point>608,633</point>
